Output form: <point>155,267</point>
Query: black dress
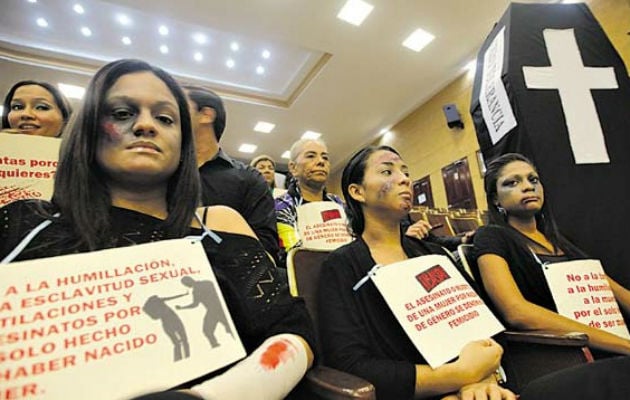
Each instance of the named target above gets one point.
<point>255,291</point>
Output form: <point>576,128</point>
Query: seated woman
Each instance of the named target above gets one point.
<point>358,332</point>
<point>127,175</point>
<point>267,168</point>
<point>510,250</point>
<point>35,108</point>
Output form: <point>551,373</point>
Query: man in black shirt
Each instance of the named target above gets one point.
<point>226,181</point>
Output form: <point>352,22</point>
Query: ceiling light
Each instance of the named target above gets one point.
<point>388,136</point>
<point>384,131</point>
<point>123,20</point>
<point>234,46</point>
<point>1,109</point>
<point>32,1</point>
<point>199,38</point>
<point>355,12</point>
<point>286,154</point>
<point>126,40</point>
<point>266,54</point>
<point>471,65</point>
<point>264,127</point>
<point>418,40</point>
<point>311,135</point>
<point>42,22</point>
<point>247,148</point>
<point>71,91</point>
<point>163,30</point>
<point>78,8</point>
<point>164,49</point>
<point>230,63</point>
<point>260,70</point>
<point>85,31</point>
<point>198,56</point>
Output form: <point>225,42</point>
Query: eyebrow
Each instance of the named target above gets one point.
<point>160,103</point>
<point>36,99</point>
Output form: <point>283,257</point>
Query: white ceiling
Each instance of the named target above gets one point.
<point>323,74</point>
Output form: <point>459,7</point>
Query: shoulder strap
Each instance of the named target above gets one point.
<point>27,239</point>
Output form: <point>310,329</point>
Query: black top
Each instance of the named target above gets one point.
<point>358,332</point>
<point>231,183</point>
<point>511,245</point>
<point>255,291</point>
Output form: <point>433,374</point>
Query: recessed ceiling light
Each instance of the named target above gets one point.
<point>388,136</point>
<point>163,30</point>
<point>164,49</point>
<point>383,131</point>
<point>266,54</point>
<point>260,70</point>
<point>1,109</point>
<point>42,22</point>
<point>311,135</point>
<point>71,91</point>
<point>198,56</point>
<point>78,8</point>
<point>85,31</point>
<point>126,40</point>
<point>230,63</point>
<point>123,19</point>
<point>471,65</point>
<point>247,148</point>
<point>234,46</point>
<point>418,40</point>
<point>199,38</point>
<point>264,127</point>
<point>355,11</point>
<point>32,1</point>
<point>286,154</point>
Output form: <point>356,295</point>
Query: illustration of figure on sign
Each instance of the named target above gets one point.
<point>204,293</point>
<point>156,308</point>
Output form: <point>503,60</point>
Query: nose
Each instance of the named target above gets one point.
<point>144,124</point>
<point>26,113</point>
<point>405,180</point>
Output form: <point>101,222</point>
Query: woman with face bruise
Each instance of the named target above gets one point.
<point>358,331</point>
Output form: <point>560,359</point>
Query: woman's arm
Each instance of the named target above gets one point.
<point>524,315</point>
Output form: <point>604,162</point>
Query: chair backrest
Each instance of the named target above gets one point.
<point>464,224</point>
<point>446,229</point>
<point>303,269</point>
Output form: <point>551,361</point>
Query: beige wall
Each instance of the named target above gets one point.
<point>427,144</point>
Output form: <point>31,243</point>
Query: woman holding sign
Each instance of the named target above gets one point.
<point>515,252</point>
<point>359,332</point>
<point>35,108</point>
<point>127,175</point>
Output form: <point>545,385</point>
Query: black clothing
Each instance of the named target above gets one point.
<point>358,332</point>
<point>229,182</point>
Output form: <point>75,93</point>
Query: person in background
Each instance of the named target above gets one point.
<point>128,175</point>
<point>35,108</point>
<point>224,180</point>
<point>309,166</point>
<point>510,251</point>
<point>359,334</point>
<point>267,168</point>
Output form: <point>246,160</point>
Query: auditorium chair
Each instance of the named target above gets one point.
<point>442,223</point>
<point>530,355</point>
<point>321,382</point>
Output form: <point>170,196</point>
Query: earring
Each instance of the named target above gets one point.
<point>502,211</point>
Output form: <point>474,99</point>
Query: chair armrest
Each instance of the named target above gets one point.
<point>573,339</point>
<point>331,384</point>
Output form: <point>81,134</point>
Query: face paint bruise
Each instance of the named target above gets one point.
<point>112,131</point>
<point>386,188</point>
<point>276,354</point>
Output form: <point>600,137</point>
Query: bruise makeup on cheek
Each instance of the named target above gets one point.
<point>385,188</point>
<point>114,132</point>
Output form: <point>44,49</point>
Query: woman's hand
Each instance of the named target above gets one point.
<point>482,391</point>
<point>480,359</point>
<point>419,229</point>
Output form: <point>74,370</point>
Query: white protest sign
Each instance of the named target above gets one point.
<point>322,225</point>
<point>581,292</point>
<point>27,167</point>
<point>112,324</point>
<point>435,306</point>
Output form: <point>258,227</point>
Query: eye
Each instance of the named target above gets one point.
<point>386,172</point>
<point>510,182</point>
<point>406,174</point>
<point>17,106</point>
<point>534,179</point>
<point>325,157</point>
<point>43,107</point>
<point>165,119</point>
<point>121,114</point>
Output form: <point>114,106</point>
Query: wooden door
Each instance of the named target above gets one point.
<point>458,184</point>
<point>422,195</point>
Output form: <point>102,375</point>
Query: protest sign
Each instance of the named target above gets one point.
<point>582,292</point>
<point>27,167</point>
<point>435,305</point>
<point>112,324</point>
<point>322,225</point>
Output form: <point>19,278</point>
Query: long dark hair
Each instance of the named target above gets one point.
<point>60,100</point>
<point>354,172</point>
<point>80,190</point>
<point>545,221</point>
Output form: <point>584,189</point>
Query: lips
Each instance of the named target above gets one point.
<point>530,199</point>
<point>144,145</point>
<point>28,127</point>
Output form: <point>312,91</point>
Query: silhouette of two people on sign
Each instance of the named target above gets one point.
<point>204,293</point>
